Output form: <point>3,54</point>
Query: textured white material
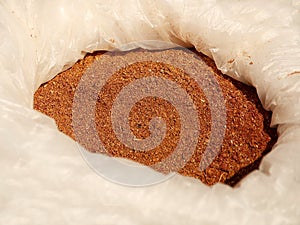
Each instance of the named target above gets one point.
<point>44,180</point>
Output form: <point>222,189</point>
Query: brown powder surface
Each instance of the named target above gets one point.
<point>248,136</point>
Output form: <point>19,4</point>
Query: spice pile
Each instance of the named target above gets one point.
<point>247,138</point>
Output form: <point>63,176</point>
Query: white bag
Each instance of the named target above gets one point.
<point>43,179</point>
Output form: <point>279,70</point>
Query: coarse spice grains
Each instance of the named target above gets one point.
<point>248,136</point>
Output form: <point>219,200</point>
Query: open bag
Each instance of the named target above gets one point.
<point>43,178</point>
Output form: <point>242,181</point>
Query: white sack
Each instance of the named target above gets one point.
<point>44,180</point>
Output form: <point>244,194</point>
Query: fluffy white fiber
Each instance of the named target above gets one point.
<point>43,178</point>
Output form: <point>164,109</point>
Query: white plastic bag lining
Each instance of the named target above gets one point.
<point>43,177</point>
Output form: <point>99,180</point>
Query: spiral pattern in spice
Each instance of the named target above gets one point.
<point>144,106</point>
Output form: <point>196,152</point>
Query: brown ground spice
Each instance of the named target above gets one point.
<point>248,136</point>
